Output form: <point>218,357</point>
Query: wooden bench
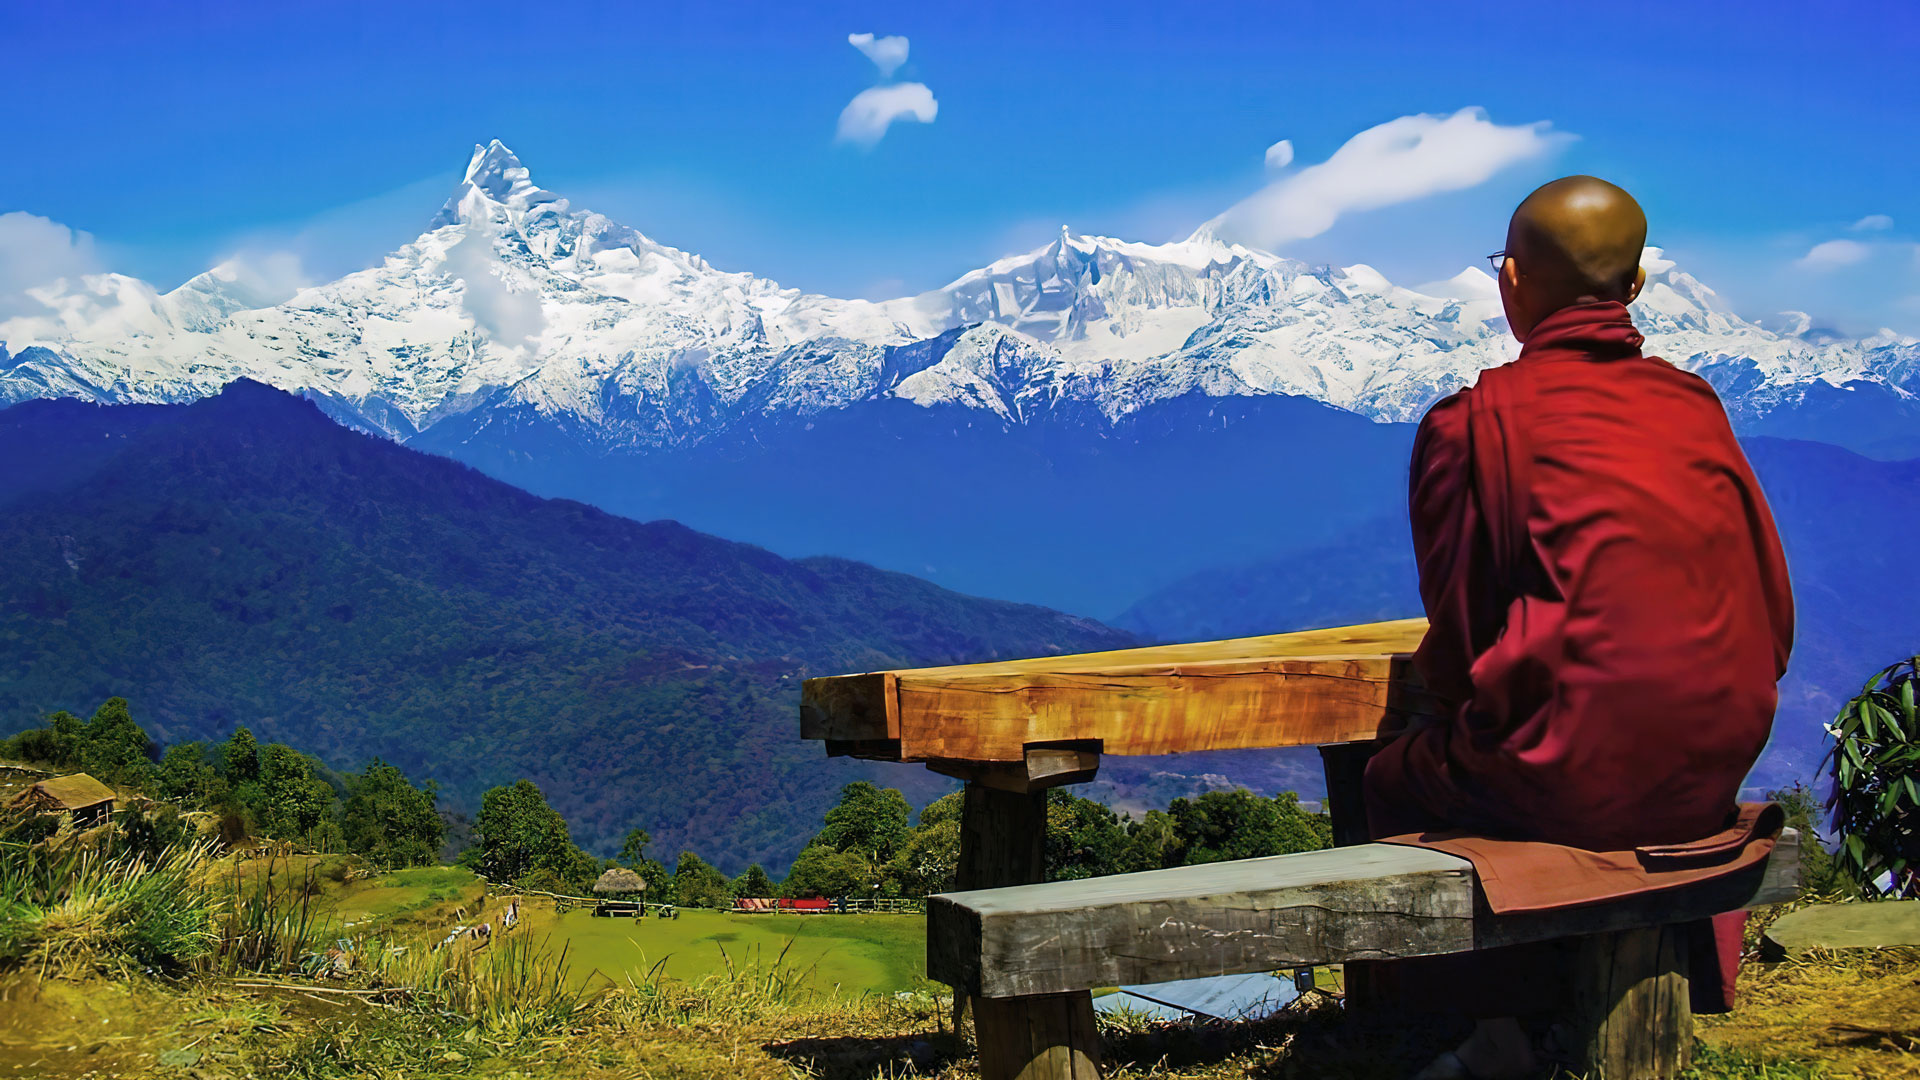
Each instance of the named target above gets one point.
<point>1028,953</point>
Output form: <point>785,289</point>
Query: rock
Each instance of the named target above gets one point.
<point>1865,925</point>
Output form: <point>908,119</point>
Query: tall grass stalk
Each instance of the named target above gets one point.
<point>69,905</point>
<point>513,988</point>
<point>267,922</point>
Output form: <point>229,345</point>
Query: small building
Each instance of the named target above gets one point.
<point>620,882</point>
<point>87,800</point>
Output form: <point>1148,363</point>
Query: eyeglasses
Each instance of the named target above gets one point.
<point>1499,261</point>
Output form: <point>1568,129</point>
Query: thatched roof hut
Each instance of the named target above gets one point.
<point>619,880</point>
<point>79,794</point>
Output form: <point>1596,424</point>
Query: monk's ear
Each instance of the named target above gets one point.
<point>1639,282</point>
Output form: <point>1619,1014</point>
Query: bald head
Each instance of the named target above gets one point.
<point>1578,238</point>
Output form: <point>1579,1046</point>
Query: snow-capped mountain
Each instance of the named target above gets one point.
<point>513,304</point>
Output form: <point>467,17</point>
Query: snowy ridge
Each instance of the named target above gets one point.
<point>513,301</point>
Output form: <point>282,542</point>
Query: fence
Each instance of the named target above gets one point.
<point>839,905</point>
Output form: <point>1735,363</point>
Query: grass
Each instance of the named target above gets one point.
<point>847,954</point>
<point>1835,1018</point>
<point>405,896</point>
<point>71,905</point>
<point>707,995</point>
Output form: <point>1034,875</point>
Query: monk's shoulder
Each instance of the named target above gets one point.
<point>1443,430</point>
<point>1450,412</point>
<point>1688,380</point>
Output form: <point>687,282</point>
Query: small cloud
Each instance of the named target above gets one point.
<point>1280,155</point>
<point>887,53</point>
<point>506,308</point>
<point>35,252</point>
<point>1833,254</point>
<point>872,111</point>
<point>1395,162</point>
<point>261,278</point>
<point>1872,223</point>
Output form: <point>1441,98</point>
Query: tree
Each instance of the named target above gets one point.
<point>389,820</point>
<point>1237,824</point>
<point>1820,873</point>
<point>240,758</point>
<point>112,746</point>
<point>186,777</point>
<point>867,819</point>
<point>1153,843</point>
<point>696,884</point>
<point>753,883</point>
<point>1876,782</point>
<point>293,801</point>
<point>822,871</point>
<point>929,859</point>
<point>633,850</point>
<point>57,744</point>
<point>524,840</point>
<point>1084,838</point>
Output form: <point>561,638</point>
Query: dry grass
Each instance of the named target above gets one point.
<point>1854,1013</point>
<point>506,1013</point>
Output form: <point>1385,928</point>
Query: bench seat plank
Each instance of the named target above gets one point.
<point>1369,901</point>
<point>1342,684</point>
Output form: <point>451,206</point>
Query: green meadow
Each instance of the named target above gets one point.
<point>845,954</point>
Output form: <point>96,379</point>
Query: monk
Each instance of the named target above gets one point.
<point>1608,599</point>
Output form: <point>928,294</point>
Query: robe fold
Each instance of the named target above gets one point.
<point>1608,600</point>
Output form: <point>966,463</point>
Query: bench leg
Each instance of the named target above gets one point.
<point>1043,1037</point>
<point>1631,1018</point>
<point>1345,765</point>
<point>1003,841</point>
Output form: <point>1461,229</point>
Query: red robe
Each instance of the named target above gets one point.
<point>1608,601</point>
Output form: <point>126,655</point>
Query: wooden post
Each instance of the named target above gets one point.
<point>1003,841</point>
<point>1631,1017</point>
<point>1345,766</point>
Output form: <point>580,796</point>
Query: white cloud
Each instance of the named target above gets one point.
<point>261,278</point>
<point>1395,162</point>
<point>1280,154</point>
<point>866,118</point>
<point>506,308</point>
<point>1834,254</point>
<point>887,53</point>
<point>36,252</point>
<point>1872,223</point>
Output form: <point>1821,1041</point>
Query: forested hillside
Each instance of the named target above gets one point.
<point>245,561</point>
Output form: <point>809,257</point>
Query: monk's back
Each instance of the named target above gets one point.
<point>1644,523</point>
<point>1608,603</point>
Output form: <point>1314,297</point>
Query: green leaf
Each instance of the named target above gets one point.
<point>1853,754</point>
<point>1913,789</point>
<point>1906,701</point>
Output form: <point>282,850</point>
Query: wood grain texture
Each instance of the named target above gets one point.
<point>1050,1037</point>
<point>1223,918</point>
<point>1342,684</point>
<point>1003,837</point>
<point>1370,901</point>
<point>1631,1018</point>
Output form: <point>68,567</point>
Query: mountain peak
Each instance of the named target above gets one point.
<point>495,177</point>
<point>494,168</point>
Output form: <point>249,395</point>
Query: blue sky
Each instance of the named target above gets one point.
<point>178,134</point>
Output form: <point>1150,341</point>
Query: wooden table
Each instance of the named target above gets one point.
<point>1014,728</point>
